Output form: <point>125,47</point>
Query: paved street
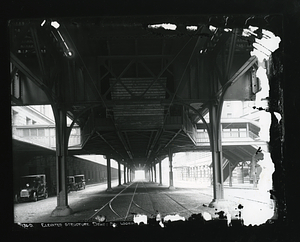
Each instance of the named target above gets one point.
<point>149,199</point>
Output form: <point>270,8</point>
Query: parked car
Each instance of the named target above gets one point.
<point>32,188</point>
<point>71,184</point>
<point>80,181</point>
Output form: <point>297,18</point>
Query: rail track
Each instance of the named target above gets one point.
<point>133,204</point>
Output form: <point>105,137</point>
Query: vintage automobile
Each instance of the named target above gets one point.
<point>71,184</point>
<point>32,188</point>
<point>80,181</point>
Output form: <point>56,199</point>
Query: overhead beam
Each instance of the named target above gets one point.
<point>133,57</point>
<point>149,142</point>
<point>37,48</point>
<point>91,80</point>
<point>124,144</point>
<point>27,72</point>
<point>172,138</point>
<point>245,67</point>
<point>154,142</point>
<point>221,92</point>
<point>156,78</point>
<point>118,78</point>
<point>108,144</point>
<point>231,53</point>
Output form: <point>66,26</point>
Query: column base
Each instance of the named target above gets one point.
<point>220,204</point>
<point>61,211</point>
<point>109,189</point>
<point>171,187</point>
<point>160,184</point>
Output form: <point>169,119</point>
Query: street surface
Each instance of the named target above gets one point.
<point>123,202</point>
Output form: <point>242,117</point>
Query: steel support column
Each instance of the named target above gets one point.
<point>216,150</point>
<point>255,158</point>
<point>119,173</point>
<point>243,172</point>
<point>124,173</point>
<point>127,173</point>
<point>154,167</point>
<point>150,173</point>
<point>62,208</point>
<point>171,184</point>
<point>108,174</point>
<point>160,174</point>
<point>230,174</point>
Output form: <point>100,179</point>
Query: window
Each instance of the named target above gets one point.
<point>226,133</point>
<point>33,132</point>
<point>243,132</point>
<point>234,132</point>
<point>41,132</point>
<point>26,132</point>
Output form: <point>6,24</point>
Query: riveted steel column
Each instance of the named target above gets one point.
<point>149,174</point>
<point>127,173</point>
<point>124,173</point>
<point>171,184</point>
<point>108,174</point>
<point>242,172</point>
<point>154,172</point>
<point>119,173</point>
<point>230,174</point>
<point>62,208</point>
<point>160,174</point>
<point>216,150</point>
<point>133,175</point>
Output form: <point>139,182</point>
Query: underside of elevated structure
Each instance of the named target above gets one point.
<point>135,89</point>
<point>136,86</point>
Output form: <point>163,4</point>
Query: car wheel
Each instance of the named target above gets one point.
<point>34,197</point>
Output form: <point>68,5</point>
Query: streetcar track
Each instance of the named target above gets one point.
<point>137,205</point>
<point>131,201</point>
<point>179,203</point>
<point>109,203</point>
<point>147,192</point>
<point>155,211</point>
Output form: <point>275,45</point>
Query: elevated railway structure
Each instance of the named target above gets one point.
<point>240,140</point>
<point>136,90</point>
